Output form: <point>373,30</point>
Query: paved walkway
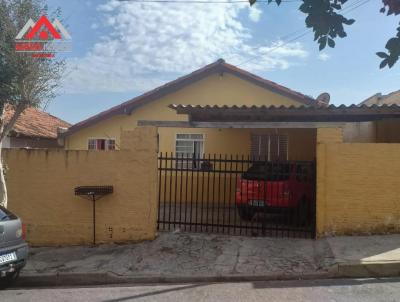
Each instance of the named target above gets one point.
<point>365,249</point>
<point>182,254</point>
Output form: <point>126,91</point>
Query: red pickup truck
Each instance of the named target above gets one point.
<point>275,187</point>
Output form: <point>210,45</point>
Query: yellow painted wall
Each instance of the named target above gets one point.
<point>41,191</point>
<point>213,90</point>
<point>237,141</point>
<point>358,188</point>
<point>324,136</point>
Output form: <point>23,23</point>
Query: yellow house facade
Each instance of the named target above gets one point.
<point>219,84</point>
<point>345,157</point>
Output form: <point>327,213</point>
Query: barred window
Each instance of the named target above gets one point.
<point>101,144</point>
<point>269,146</point>
<point>189,148</point>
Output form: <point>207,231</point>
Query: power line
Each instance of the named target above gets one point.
<point>355,7</point>
<point>346,10</point>
<point>299,33</point>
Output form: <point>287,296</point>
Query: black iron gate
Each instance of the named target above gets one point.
<point>236,195</point>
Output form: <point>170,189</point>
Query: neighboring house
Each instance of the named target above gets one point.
<point>379,99</point>
<point>364,132</point>
<point>34,129</point>
<point>217,84</point>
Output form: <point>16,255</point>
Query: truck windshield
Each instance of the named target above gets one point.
<point>6,214</point>
<point>268,172</point>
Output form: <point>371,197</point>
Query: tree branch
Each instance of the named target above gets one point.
<point>7,128</point>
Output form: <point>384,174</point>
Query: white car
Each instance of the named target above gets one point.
<point>13,248</point>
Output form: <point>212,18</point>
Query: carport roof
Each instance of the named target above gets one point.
<point>332,113</point>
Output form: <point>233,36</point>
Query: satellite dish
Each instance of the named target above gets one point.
<point>324,98</point>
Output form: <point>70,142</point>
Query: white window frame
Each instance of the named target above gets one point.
<point>178,153</point>
<point>106,143</point>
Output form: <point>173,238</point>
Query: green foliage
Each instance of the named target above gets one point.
<point>324,18</point>
<point>391,7</point>
<point>326,23</point>
<point>24,80</point>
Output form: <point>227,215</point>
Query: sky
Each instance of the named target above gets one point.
<point>121,49</point>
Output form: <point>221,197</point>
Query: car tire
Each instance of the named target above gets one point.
<point>9,279</point>
<point>246,213</point>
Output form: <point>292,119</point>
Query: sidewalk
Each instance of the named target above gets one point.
<point>186,257</point>
<point>366,256</point>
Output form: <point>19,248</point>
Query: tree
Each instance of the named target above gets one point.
<point>25,81</point>
<point>327,23</point>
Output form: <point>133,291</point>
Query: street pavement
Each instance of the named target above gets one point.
<point>329,290</point>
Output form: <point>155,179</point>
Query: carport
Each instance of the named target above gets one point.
<point>205,192</point>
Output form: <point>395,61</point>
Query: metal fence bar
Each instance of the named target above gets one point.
<point>191,199</point>
<point>170,195</point>
<point>165,191</point>
<point>197,196</point>
<point>180,191</point>
<point>186,195</point>
<point>202,197</point>
<point>213,199</point>
<point>208,191</point>
<point>159,192</point>
<point>236,195</point>
<point>219,191</point>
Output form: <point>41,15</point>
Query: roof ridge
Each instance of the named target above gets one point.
<point>218,66</point>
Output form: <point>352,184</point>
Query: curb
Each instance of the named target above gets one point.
<point>92,279</point>
<point>339,270</point>
<point>376,269</point>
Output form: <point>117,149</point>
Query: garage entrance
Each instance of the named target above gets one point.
<point>237,195</point>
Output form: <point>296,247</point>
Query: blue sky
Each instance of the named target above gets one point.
<point>122,49</point>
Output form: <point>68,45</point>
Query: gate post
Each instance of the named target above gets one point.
<point>143,142</point>
<point>324,136</point>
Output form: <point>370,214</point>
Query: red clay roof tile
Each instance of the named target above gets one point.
<point>35,123</point>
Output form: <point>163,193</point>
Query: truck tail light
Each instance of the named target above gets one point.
<point>23,231</point>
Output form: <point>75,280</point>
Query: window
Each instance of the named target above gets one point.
<point>101,144</point>
<point>269,146</point>
<point>190,147</point>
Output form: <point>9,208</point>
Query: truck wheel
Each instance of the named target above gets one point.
<point>246,213</point>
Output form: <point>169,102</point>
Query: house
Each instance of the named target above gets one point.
<point>379,99</point>
<point>219,84</point>
<point>364,132</point>
<point>34,129</point>
<point>188,155</point>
